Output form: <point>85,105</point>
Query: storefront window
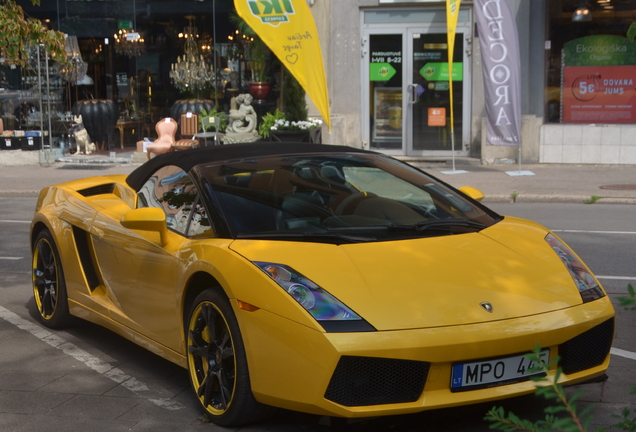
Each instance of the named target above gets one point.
<point>592,64</point>
<point>130,50</point>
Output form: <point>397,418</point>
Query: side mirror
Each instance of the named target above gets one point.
<point>147,219</point>
<point>472,192</point>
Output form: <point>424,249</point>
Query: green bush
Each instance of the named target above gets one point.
<point>563,415</point>
<point>294,103</point>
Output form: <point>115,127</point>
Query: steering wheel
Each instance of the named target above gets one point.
<point>348,205</point>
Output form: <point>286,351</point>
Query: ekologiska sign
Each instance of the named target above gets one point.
<point>598,80</point>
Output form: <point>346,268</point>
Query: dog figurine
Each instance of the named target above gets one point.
<point>83,141</point>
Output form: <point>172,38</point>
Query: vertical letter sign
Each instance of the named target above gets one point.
<point>501,63</point>
<point>288,29</point>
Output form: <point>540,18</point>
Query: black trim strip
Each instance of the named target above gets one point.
<point>84,252</point>
<point>107,188</point>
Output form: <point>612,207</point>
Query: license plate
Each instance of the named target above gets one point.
<point>494,372</point>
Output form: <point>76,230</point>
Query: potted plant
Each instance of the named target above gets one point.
<point>268,122</point>
<point>293,124</point>
<point>258,55</point>
<point>277,127</point>
<point>213,113</point>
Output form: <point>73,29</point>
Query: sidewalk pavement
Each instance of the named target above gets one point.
<point>549,182</point>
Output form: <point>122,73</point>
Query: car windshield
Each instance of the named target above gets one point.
<point>341,198</point>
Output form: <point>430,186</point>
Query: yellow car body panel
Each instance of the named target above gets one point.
<point>434,316</point>
<point>441,280</point>
<point>273,340</point>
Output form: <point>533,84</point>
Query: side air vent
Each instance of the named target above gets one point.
<point>107,188</point>
<point>83,250</point>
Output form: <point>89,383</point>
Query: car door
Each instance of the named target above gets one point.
<point>138,271</point>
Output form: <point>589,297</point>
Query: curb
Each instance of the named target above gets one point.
<point>521,198</point>
<point>85,161</point>
<point>19,194</point>
<point>575,199</point>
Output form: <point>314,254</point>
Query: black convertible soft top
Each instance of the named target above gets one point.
<point>186,159</point>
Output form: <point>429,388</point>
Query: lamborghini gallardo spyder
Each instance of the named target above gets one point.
<point>323,279</point>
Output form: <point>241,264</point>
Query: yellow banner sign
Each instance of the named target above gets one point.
<point>288,29</point>
<point>452,13</point>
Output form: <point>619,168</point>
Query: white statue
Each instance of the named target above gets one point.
<point>242,121</point>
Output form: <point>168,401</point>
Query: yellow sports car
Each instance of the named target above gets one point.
<point>322,279</point>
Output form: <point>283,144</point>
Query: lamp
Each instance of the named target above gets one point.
<point>190,71</point>
<point>129,43</point>
<point>77,67</point>
<point>582,14</point>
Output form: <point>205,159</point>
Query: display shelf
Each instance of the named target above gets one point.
<point>32,106</point>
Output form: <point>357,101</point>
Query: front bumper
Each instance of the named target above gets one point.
<point>291,366</point>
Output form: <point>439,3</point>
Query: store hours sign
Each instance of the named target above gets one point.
<point>599,74</point>
<point>382,65</point>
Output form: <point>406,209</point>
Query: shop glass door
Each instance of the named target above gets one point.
<point>406,92</point>
<point>429,92</point>
<point>386,90</point>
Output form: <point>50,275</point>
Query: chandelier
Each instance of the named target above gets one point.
<point>76,68</point>
<point>191,71</point>
<point>129,43</point>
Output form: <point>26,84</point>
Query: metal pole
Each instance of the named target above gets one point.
<point>453,146</point>
<point>48,100</point>
<point>40,97</point>
<point>216,80</point>
<point>452,113</point>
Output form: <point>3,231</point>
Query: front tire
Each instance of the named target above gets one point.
<point>217,364</point>
<point>49,288</point>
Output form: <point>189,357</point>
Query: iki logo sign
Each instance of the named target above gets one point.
<point>453,6</point>
<point>271,11</point>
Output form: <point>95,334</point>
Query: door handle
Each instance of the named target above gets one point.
<point>413,96</point>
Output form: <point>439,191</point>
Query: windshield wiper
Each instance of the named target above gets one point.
<point>438,224</point>
<point>315,236</point>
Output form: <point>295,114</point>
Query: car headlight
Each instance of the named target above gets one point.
<point>585,282</point>
<point>330,312</point>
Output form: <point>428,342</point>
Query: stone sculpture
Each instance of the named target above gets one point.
<point>242,121</point>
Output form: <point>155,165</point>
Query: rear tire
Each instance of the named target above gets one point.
<point>217,364</point>
<point>49,288</point>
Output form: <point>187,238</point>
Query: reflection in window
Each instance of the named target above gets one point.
<point>199,222</point>
<point>172,190</point>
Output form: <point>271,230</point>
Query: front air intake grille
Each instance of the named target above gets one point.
<point>84,253</point>
<point>361,381</point>
<point>107,188</point>
<point>587,350</point>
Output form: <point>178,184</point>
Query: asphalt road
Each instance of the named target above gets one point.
<point>60,388</point>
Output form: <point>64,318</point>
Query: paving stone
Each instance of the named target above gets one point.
<point>30,402</point>
<point>95,407</point>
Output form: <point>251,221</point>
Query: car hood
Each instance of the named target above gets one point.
<point>434,281</point>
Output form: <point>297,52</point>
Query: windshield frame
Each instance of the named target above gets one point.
<point>265,187</point>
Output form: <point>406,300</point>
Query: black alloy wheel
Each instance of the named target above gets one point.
<point>49,289</point>
<point>217,363</point>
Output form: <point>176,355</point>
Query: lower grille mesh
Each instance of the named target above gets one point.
<point>361,381</point>
<point>587,350</point>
